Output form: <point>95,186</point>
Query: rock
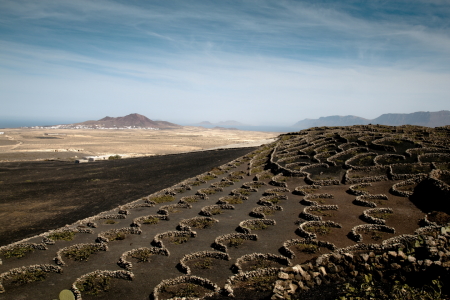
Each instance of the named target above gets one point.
<point>335,257</point>
<point>296,269</point>
<point>283,275</point>
<point>332,268</point>
<point>392,253</point>
<point>427,263</point>
<point>281,283</point>
<point>322,271</point>
<point>411,259</point>
<point>446,264</point>
<point>320,260</point>
<point>433,250</point>
<point>304,274</point>
<point>401,254</point>
<point>310,283</point>
<point>278,288</point>
<point>288,269</point>
<point>378,275</point>
<point>318,281</point>
<point>364,256</point>
<point>276,297</point>
<point>351,267</point>
<point>348,256</point>
<point>292,288</point>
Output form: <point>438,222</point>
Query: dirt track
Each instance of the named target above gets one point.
<point>38,196</point>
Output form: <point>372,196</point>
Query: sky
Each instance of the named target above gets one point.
<point>271,62</point>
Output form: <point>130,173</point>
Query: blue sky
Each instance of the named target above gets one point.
<point>257,62</point>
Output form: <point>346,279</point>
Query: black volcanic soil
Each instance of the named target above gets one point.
<point>39,196</point>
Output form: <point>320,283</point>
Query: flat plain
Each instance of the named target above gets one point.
<point>69,144</point>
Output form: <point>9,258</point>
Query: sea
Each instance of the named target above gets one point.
<point>17,123</point>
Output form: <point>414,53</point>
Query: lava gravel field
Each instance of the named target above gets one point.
<point>39,196</point>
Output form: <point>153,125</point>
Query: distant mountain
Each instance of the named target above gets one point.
<point>331,121</point>
<point>205,123</point>
<point>130,120</point>
<point>422,118</point>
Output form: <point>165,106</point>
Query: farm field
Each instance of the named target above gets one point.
<point>42,195</point>
<point>310,211</point>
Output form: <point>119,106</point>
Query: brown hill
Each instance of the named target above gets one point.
<point>130,120</point>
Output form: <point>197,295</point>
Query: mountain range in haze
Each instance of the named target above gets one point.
<point>134,120</point>
<point>429,119</point>
<point>421,118</point>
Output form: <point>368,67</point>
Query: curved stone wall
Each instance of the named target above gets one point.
<point>228,289</point>
<point>17,271</point>
<point>126,275</point>
<point>366,216</point>
<point>300,190</point>
<point>103,236</point>
<point>245,225</point>
<point>237,266</point>
<point>186,224</point>
<point>182,266</point>
<point>308,216</point>
<point>157,240</point>
<point>309,199</point>
<point>354,235</point>
<point>206,283</point>
<point>301,231</point>
<point>206,211</point>
<point>290,254</point>
<point>220,246</point>
<point>127,265</point>
<point>363,200</point>
<point>356,189</point>
<point>97,246</point>
<point>261,211</point>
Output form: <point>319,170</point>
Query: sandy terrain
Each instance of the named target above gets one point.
<point>70,144</point>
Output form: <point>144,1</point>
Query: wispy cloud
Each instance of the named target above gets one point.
<point>288,58</point>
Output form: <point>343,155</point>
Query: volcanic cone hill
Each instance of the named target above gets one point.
<point>133,120</point>
<point>295,219</point>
